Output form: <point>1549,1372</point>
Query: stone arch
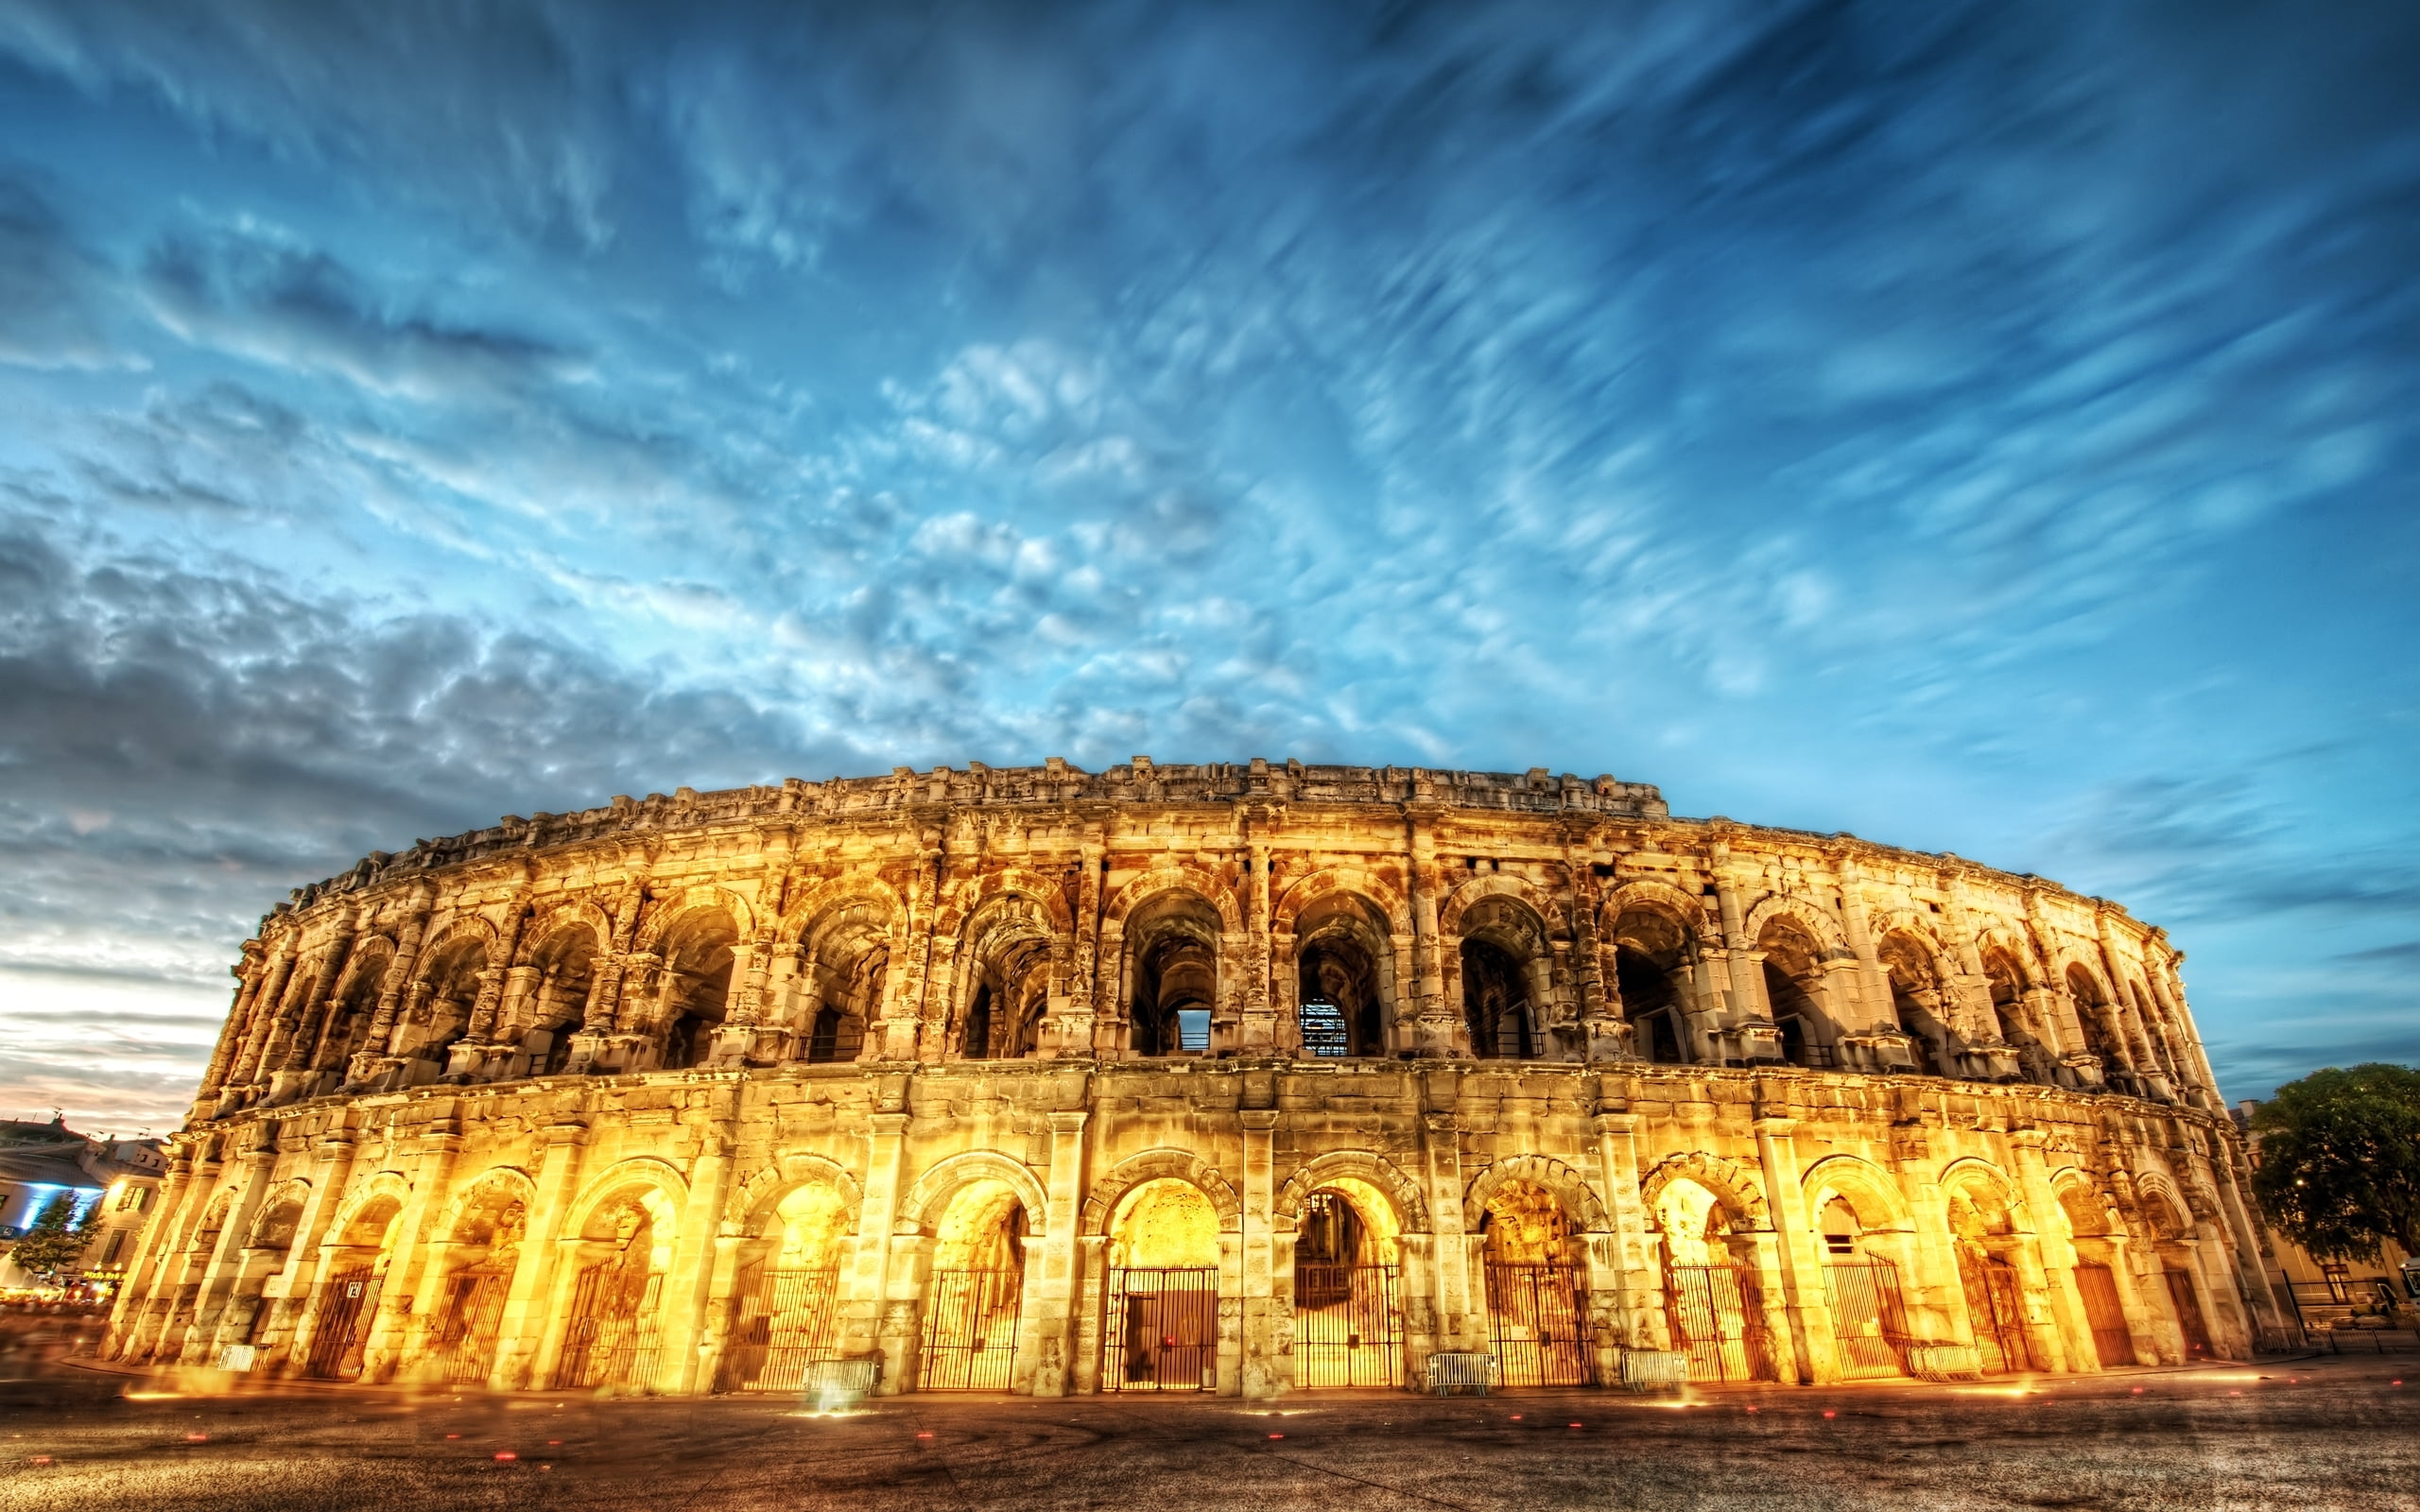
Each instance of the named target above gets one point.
<point>2087,1209</point>
<point>1646,895</point>
<point>679,908</point>
<point>764,1190</point>
<point>446,937</point>
<point>2166,1213</point>
<point>1867,1189</point>
<point>384,1186</point>
<point>1384,900</point>
<point>1982,1182</point>
<point>1569,1187</point>
<point>1177,877</point>
<point>510,1181</point>
<point>1338,945</point>
<point>1551,922</point>
<point>559,919</point>
<point>1010,882</point>
<point>834,895</point>
<point>1007,952</point>
<point>2016,949</point>
<point>940,1182</point>
<point>280,1208</point>
<point>1732,1185</point>
<point>1822,926</point>
<point>1411,1207</point>
<point>1150,1166</point>
<point>639,1172</point>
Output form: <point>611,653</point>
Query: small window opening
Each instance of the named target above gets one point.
<point>1324,1031</point>
<point>1193,1030</point>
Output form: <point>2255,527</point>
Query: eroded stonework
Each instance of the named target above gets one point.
<point>1246,1079</point>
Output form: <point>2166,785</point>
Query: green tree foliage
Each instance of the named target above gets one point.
<point>56,1240</point>
<point>2340,1160</point>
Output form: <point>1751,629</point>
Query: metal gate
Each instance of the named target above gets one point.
<point>612,1340</point>
<point>1717,1315</point>
<point>1163,1330</point>
<point>345,1307</point>
<point>1348,1326</point>
<point>1540,1329</point>
<point>1994,1305</point>
<point>2112,1340</point>
<point>1868,1319</point>
<point>784,1321</point>
<point>970,1330</point>
<point>2188,1313</point>
<point>464,1350</point>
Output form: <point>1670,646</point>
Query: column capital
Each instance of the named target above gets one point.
<point>1258,1120</point>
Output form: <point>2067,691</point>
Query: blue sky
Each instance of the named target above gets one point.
<point>1982,428</point>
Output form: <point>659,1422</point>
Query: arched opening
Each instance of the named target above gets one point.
<point>613,1340</point>
<point>2009,1015</point>
<point>786,1307</point>
<point>695,984</point>
<point>1163,1290</point>
<point>1985,1238</point>
<point>1916,1002</point>
<point>975,1042</point>
<point>976,1291</point>
<point>566,966</point>
<point>1714,1302</point>
<point>348,1300</point>
<point>448,990</point>
<point>349,1013</point>
<point>1651,961</point>
<point>479,1260</point>
<point>2169,1231</point>
<point>1504,980</point>
<point>843,964</point>
<point>1535,1260</point>
<point>2087,1220</point>
<point>1174,945</point>
<point>1009,945</point>
<point>1345,967</point>
<point>1348,1307</point>
<point>1861,1286</point>
<point>263,1255</point>
<point>1795,987</point>
<point>2100,1036</point>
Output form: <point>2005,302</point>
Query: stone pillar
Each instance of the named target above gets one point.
<point>868,1324</point>
<point>248,975</point>
<point>1077,1034</point>
<point>1461,1320</point>
<point>1258,1031</point>
<point>2069,1331</point>
<point>1641,1305</point>
<point>153,1243</point>
<point>1261,1322</point>
<point>398,1329</point>
<point>256,1177</point>
<point>1802,1266</point>
<point>527,1341</point>
<point>686,1289</point>
<point>150,1333</point>
<point>1051,1307</point>
<point>1438,1026</point>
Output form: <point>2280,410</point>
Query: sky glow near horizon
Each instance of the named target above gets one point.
<point>1980,428</point>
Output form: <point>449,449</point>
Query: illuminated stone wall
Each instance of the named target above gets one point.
<point>944,1024</point>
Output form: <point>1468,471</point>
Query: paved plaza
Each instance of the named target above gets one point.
<point>2326,1432</point>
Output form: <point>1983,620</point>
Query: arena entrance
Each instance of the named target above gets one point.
<point>2188,1303</point>
<point>346,1306</point>
<point>1993,1305</point>
<point>1537,1289</point>
<point>785,1312</point>
<point>1348,1287</point>
<point>1716,1316</point>
<point>2112,1340</point>
<point>1163,1299</point>
<point>612,1339</point>
<point>1869,1319</point>
<point>975,1296</point>
<point>788,1321</point>
<point>469,1318</point>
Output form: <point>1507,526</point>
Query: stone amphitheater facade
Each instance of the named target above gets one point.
<point>1245,1079</point>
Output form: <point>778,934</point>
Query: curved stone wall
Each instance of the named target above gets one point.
<point>702,1092</point>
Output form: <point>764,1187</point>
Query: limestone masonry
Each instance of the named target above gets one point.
<point>1243,1078</point>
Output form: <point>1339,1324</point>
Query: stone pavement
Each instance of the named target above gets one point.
<point>2331,1432</point>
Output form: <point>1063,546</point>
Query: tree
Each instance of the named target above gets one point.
<point>2340,1160</point>
<point>57,1240</point>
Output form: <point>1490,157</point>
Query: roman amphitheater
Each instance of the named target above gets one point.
<point>1246,1079</point>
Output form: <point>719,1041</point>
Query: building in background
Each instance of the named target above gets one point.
<point>2326,1296</point>
<point>120,1177</point>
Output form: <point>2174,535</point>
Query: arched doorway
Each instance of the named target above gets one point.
<point>695,986</point>
<point>482,1255</point>
<point>1537,1289</point>
<point>2104,1312</point>
<point>977,1292</point>
<point>348,1300</point>
<point>1173,945</point>
<point>785,1310</point>
<point>612,1339</point>
<point>1163,1333</point>
<point>1985,1237</point>
<point>1348,1289</point>
<point>1713,1300</point>
<point>1861,1288</point>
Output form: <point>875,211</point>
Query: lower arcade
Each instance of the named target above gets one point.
<point>1230,1227</point>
